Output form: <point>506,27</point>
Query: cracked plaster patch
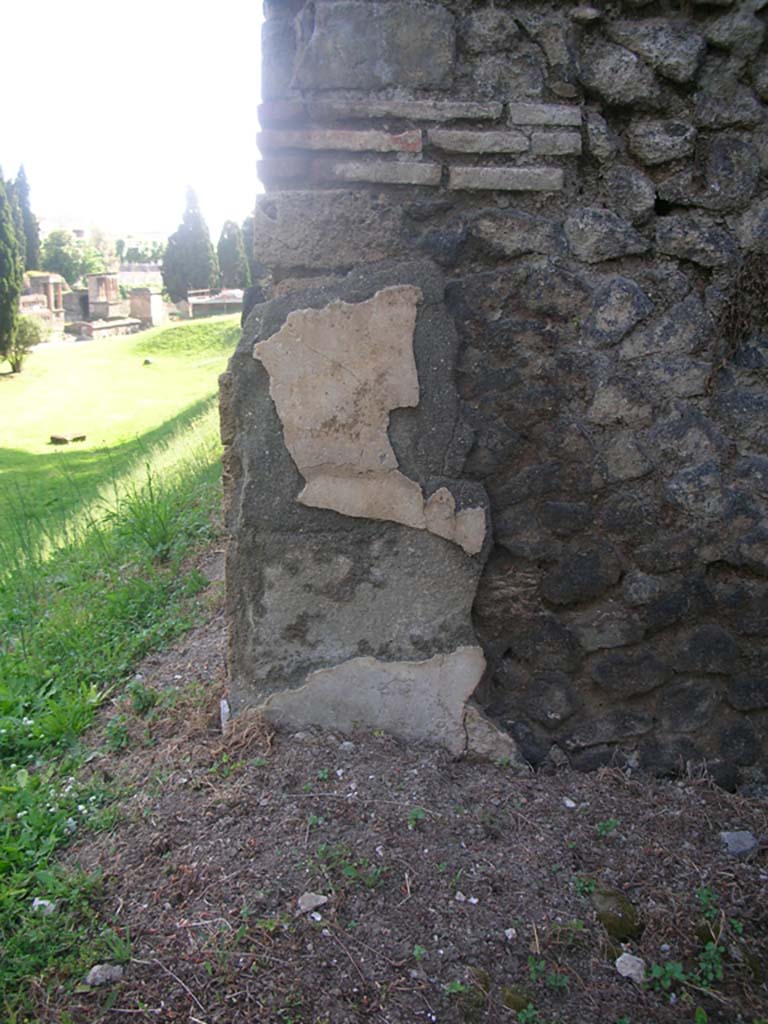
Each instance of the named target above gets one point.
<point>415,700</point>
<point>335,375</point>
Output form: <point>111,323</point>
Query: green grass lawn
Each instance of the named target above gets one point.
<point>103,389</point>
<point>94,574</point>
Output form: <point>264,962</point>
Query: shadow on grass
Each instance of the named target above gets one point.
<point>51,487</point>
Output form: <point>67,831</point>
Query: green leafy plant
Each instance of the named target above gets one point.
<point>708,902</point>
<point>607,827</point>
<point>419,952</point>
<point>536,968</point>
<point>530,1015</point>
<point>455,987</point>
<point>142,698</point>
<point>710,968</point>
<point>415,817</point>
<point>583,885</point>
<point>667,976</point>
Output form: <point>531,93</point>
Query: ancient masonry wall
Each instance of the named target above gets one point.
<point>564,209</point>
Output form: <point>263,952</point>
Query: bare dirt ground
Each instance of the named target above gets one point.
<point>454,891</point>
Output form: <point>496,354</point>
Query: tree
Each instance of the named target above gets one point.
<point>31,227</point>
<point>11,273</point>
<point>61,255</point>
<point>18,221</point>
<point>28,333</point>
<point>190,261</point>
<point>235,271</point>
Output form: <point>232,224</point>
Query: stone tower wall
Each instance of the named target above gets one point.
<point>589,185</point>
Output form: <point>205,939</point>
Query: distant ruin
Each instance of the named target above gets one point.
<point>497,447</point>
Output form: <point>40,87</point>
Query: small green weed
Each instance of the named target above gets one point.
<point>708,902</point>
<point>663,977</point>
<point>536,968</point>
<point>416,816</point>
<point>419,952</point>
<point>118,737</point>
<point>583,885</point>
<point>530,1015</point>
<point>607,827</point>
<point>142,698</point>
<point>455,987</point>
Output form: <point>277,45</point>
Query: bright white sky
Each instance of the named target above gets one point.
<point>115,108</point>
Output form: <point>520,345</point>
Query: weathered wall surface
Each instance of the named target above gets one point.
<point>590,180</point>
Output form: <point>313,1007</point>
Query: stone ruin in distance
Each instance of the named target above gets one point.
<point>496,461</point>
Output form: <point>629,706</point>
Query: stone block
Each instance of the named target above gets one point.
<point>617,306</point>
<point>674,49</point>
<point>550,699</point>
<point>517,76</point>
<point>357,45</point>
<point>544,114</point>
<point>707,649</point>
<point>407,109</point>
<point>638,588</point>
<point>284,171</point>
<point>609,625</point>
<point>629,192</point>
<point>625,459</point>
<point>681,329</point>
<point>620,725</point>
<point>514,233</point>
<point>724,102</point>
<point>629,674</point>
<point>389,172</point>
<point>506,179</point>
<point>488,31</point>
<point>739,744</point>
<point>458,141</point>
<point>278,46</point>
<point>339,138</point>
<point>657,142</point>
<point>688,705</point>
<point>739,31</point>
<point>556,143</point>
<point>595,234</point>
<point>749,691</point>
<point>582,574</point>
<point>617,75</point>
<point>601,141</point>
<point>694,238</point>
<point>325,230</point>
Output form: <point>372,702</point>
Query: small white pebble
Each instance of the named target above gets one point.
<point>510,934</point>
<point>567,802</point>
<point>460,897</point>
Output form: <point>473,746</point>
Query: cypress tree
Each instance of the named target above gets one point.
<point>235,271</point>
<point>31,227</point>
<point>11,273</point>
<point>190,260</point>
<point>18,221</point>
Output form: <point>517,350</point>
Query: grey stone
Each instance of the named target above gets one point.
<point>613,728</point>
<point>456,140</point>
<point>748,692</point>
<point>582,574</point>
<point>630,674</point>
<point>638,588</point>
<point>595,234</point>
<point>674,49</point>
<point>601,141</point>
<point>632,967</point>
<point>625,459</point>
<point>688,706</point>
<point>356,45</point>
<point>387,172</point>
<point>760,77</point>
<point>325,229</point>
<point>617,75</point>
<point>679,376</point>
<point>614,403</point>
<point>278,46</point>
<point>514,233</point>
<point>514,76</point>
<point>550,699</point>
<point>506,179</point>
<point>707,649</point>
<point>739,843</point>
<point>545,642</point>
<point>104,974</point>
<point>609,625</point>
<point>732,172</point>
<point>659,141</point>
<point>724,102</point>
<point>681,329</point>
<point>488,30</point>
<point>752,549</point>
<point>739,744</point>
<point>668,756</point>
<point>629,191</point>
<point>617,306</point>
<point>565,517</point>
<point>585,14</point>
<point>752,229</point>
<point>553,115</point>
<point>556,143</point>
<point>667,552</point>
<point>740,31</point>
<point>691,237</point>
<point>698,490</point>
